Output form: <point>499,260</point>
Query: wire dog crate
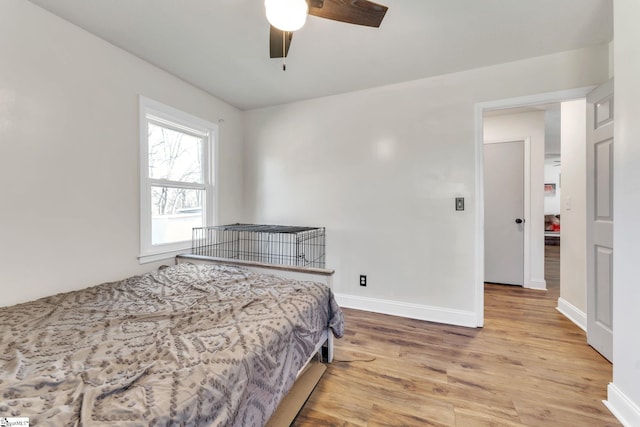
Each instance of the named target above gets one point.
<point>271,244</point>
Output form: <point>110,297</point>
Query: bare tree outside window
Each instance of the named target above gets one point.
<point>174,156</point>
<point>175,166</point>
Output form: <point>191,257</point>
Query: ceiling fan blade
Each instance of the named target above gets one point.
<point>360,12</point>
<point>275,42</point>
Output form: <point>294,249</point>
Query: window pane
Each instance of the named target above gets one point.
<point>174,155</point>
<point>174,212</point>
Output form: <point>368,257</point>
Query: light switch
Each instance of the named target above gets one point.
<point>459,203</point>
<point>567,204</point>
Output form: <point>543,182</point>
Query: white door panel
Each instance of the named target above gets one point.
<point>504,205</point>
<point>600,215</point>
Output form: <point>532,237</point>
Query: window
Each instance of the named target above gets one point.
<point>176,178</point>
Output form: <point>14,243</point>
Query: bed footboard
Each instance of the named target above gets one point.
<point>321,275</point>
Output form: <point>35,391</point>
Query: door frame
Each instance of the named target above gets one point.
<point>526,208</point>
<point>479,109</point>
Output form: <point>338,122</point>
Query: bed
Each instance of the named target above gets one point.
<point>191,344</point>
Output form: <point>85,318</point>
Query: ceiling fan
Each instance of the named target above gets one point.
<point>286,16</point>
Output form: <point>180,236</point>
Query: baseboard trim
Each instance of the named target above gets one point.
<point>627,412</point>
<point>409,310</point>
<point>538,284</point>
<point>572,313</point>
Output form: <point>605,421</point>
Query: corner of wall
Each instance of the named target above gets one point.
<point>572,313</point>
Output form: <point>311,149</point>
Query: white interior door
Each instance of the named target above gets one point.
<point>600,219</point>
<point>504,219</point>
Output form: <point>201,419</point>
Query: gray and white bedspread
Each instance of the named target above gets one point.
<point>188,345</point>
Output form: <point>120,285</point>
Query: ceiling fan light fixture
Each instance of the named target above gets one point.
<point>286,15</point>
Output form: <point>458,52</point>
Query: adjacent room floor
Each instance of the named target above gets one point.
<point>528,366</point>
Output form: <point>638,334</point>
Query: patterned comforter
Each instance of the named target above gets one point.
<point>189,345</point>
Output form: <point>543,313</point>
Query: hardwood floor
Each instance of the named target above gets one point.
<point>528,366</point>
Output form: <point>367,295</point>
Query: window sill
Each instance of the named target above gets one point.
<point>161,256</point>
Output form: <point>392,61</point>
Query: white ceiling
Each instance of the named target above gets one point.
<point>221,46</point>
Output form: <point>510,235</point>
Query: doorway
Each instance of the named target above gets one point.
<point>535,245</point>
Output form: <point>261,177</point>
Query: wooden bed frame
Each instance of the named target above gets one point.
<point>309,376</point>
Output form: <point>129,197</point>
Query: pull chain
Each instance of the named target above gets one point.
<point>284,52</point>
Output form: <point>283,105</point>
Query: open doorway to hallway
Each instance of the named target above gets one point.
<point>557,186</point>
<point>534,277</point>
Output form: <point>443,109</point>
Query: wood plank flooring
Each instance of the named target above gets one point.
<point>528,366</point>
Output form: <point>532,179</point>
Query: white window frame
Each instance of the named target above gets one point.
<point>183,122</point>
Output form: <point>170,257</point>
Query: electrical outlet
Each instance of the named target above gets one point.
<point>363,280</point>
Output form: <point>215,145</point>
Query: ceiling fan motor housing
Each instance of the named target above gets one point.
<point>359,12</point>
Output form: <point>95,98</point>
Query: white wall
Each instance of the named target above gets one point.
<point>552,130</point>
<point>380,169</point>
<point>515,127</point>
<point>573,226</point>
<point>69,147</point>
<point>624,393</point>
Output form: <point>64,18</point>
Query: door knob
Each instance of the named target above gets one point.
<point>519,220</point>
